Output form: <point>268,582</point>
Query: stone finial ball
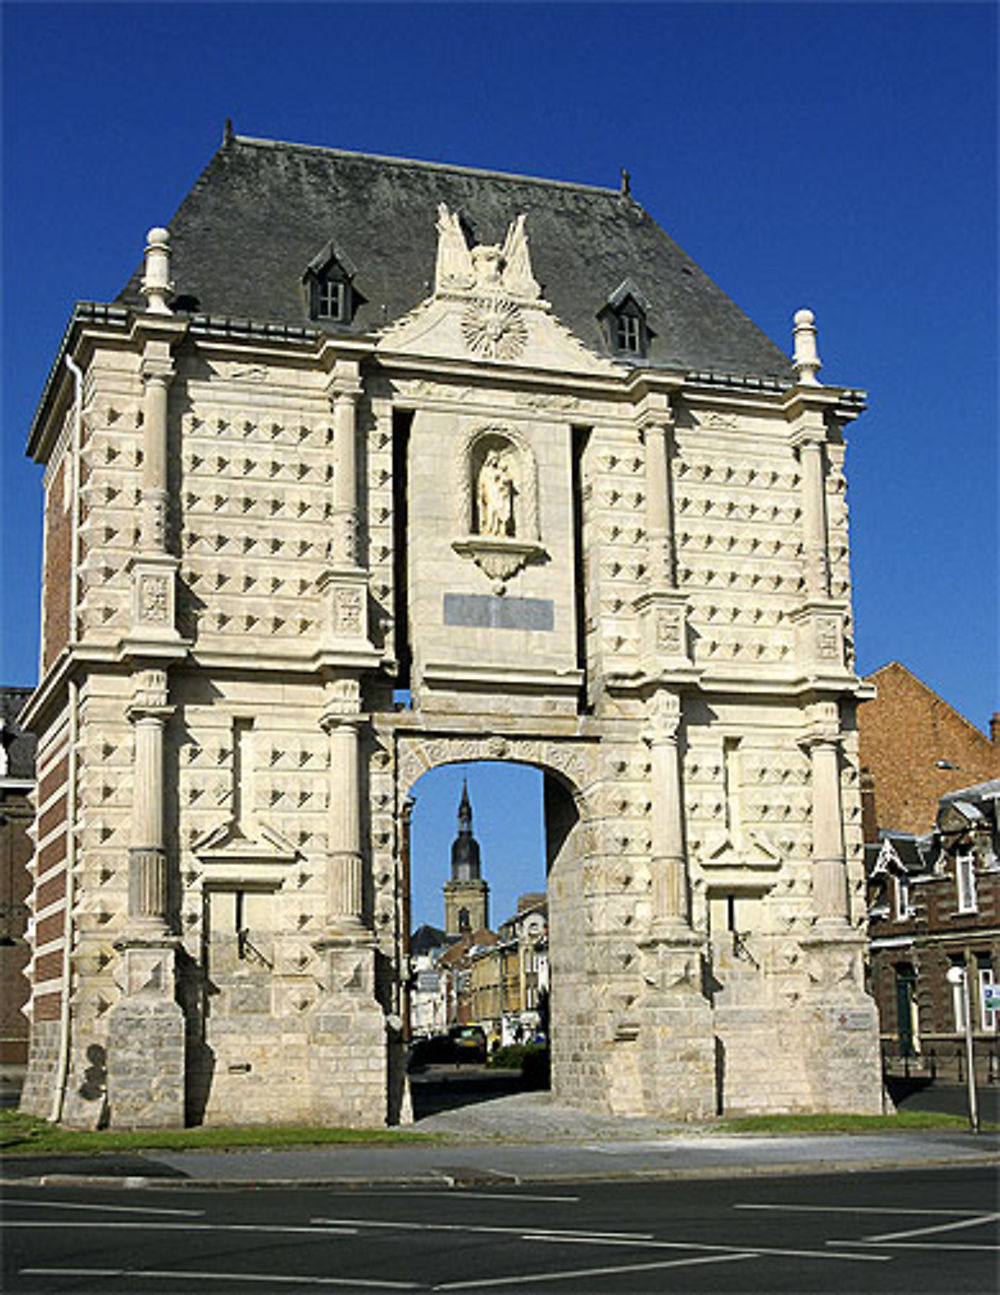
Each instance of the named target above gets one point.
<point>804,317</point>
<point>158,235</point>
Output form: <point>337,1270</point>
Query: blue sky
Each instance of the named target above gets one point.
<point>841,157</point>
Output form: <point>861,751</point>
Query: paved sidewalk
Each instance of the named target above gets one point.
<point>526,1137</point>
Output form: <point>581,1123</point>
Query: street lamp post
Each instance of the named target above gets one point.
<point>959,976</point>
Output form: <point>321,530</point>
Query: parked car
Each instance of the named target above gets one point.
<point>468,1043</point>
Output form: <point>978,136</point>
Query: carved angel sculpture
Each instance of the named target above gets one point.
<point>454,260</point>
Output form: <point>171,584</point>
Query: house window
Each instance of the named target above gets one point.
<point>906,1009</point>
<point>987,1015</point>
<point>902,897</point>
<point>965,882</point>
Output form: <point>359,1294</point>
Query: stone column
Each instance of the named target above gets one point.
<point>660,503</point>
<point>344,392</point>
<point>147,854</point>
<point>157,373</point>
<point>153,566</point>
<point>671,911</point>
<point>829,858</point>
<point>146,1030</point>
<point>661,606</point>
<point>341,720</point>
<point>814,531</point>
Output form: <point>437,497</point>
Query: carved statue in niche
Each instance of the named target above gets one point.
<point>495,496</point>
<point>496,503</point>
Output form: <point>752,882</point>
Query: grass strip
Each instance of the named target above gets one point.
<point>24,1135</point>
<point>901,1122</point>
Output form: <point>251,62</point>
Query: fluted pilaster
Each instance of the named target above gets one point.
<point>344,394</point>
<point>830,895</point>
<point>669,858</point>
<point>345,897</point>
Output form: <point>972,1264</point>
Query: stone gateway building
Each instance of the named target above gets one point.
<point>374,466</point>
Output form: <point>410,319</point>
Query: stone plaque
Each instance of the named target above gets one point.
<point>484,611</point>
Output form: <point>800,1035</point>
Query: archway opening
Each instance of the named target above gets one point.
<point>484,837</point>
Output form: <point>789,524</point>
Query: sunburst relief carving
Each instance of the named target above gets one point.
<point>494,328</point>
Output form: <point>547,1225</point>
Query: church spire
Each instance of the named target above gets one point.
<point>465,812</point>
<point>465,860</point>
<point>466,894</point>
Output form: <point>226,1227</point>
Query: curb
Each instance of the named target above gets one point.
<point>457,1181</point>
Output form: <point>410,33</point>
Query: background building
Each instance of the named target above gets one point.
<point>933,873</point>
<point>466,894</point>
<point>17,812</point>
<point>934,904</point>
<point>915,748</point>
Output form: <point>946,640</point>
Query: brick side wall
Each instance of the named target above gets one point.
<point>903,733</point>
<point>15,885</point>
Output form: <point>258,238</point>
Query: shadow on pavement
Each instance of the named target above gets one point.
<point>445,1088</point>
<point>923,1094</point>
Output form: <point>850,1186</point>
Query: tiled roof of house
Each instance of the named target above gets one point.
<point>263,211</point>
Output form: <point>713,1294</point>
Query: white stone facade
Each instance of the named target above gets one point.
<point>653,607</point>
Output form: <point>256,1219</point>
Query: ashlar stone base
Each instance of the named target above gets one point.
<point>145,1064</point>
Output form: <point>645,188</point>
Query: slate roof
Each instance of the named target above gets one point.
<point>915,853</point>
<point>263,210</point>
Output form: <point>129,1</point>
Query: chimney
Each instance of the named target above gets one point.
<point>995,726</point>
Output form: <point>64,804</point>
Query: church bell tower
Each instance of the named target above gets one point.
<point>466,895</point>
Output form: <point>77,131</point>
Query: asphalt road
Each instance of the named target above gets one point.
<point>906,1232</point>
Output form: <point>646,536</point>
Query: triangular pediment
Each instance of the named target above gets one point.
<point>486,306</point>
<point>229,856</point>
<point>492,329</point>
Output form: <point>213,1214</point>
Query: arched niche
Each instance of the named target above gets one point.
<point>496,495</point>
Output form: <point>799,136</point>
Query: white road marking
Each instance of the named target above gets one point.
<point>481,1282</point>
<point>691,1245</point>
<point>857,1209</point>
<point>458,1192</point>
<point>920,1245</point>
<point>192,1227</point>
<point>408,1226</point>
<point>638,1240</point>
<point>932,1231</point>
<point>172,1274</point>
<point>106,1209</point>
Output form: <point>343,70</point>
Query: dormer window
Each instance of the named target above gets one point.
<point>329,281</point>
<point>623,317</point>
